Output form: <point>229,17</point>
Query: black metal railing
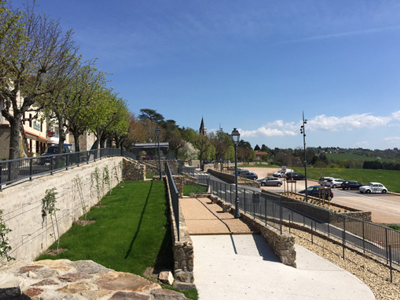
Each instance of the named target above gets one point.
<point>174,196</point>
<point>20,169</point>
<point>368,237</point>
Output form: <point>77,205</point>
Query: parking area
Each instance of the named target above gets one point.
<point>385,208</point>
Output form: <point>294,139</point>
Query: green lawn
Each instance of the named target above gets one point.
<point>193,188</point>
<point>131,231</point>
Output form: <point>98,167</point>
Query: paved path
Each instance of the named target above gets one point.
<point>231,262</point>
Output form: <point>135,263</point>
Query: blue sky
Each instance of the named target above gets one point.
<point>253,65</point>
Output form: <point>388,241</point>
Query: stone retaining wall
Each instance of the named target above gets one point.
<point>281,244</point>
<point>76,189</point>
<point>133,170</point>
<point>182,249</point>
<point>231,178</point>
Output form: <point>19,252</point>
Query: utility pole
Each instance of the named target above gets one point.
<point>303,131</point>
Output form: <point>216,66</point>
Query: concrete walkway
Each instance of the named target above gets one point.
<point>232,262</point>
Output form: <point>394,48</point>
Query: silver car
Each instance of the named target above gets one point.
<point>270,181</point>
<point>373,187</point>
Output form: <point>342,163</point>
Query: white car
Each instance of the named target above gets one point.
<point>281,173</point>
<point>373,187</point>
<point>333,183</point>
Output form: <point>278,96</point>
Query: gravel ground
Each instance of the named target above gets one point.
<point>372,272</point>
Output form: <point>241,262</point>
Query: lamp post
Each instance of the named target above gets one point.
<point>220,145</point>
<point>303,131</point>
<point>157,133</point>
<point>235,136</point>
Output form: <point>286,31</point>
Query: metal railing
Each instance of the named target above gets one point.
<point>174,196</point>
<point>368,237</point>
<point>15,170</point>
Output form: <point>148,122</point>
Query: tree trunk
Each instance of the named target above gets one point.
<point>76,138</point>
<point>15,136</point>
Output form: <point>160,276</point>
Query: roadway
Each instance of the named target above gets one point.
<point>384,208</point>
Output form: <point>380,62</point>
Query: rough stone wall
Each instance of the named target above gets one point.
<point>133,170</point>
<point>281,244</point>
<point>231,178</point>
<point>22,205</point>
<point>182,249</point>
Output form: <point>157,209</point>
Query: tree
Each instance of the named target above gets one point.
<point>257,148</point>
<point>202,144</point>
<point>136,132</point>
<point>176,142</point>
<point>71,105</point>
<point>35,57</point>
<point>152,115</point>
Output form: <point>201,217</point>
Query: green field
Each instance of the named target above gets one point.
<point>389,178</point>
<point>350,156</point>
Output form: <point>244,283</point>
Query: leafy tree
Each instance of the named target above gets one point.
<point>136,132</point>
<point>257,148</point>
<point>35,58</point>
<point>152,115</point>
<point>202,144</point>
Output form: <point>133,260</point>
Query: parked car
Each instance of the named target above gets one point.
<point>373,187</point>
<point>53,150</point>
<point>322,179</point>
<point>351,184</point>
<point>281,173</point>
<point>335,182</point>
<point>247,174</point>
<point>295,176</point>
<point>318,191</point>
<point>270,181</point>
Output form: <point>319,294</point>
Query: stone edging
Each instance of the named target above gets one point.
<point>182,249</point>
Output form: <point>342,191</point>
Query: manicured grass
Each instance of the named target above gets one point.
<point>389,178</point>
<point>193,188</point>
<point>131,231</point>
<point>149,176</point>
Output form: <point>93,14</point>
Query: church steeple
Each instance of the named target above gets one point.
<point>203,129</point>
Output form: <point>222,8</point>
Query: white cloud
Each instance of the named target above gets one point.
<point>264,131</point>
<point>346,123</point>
<point>279,128</point>
<point>396,115</point>
<point>392,139</point>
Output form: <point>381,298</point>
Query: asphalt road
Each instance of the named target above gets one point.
<point>385,208</point>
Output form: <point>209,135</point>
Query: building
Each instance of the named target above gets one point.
<point>203,129</point>
<point>34,135</point>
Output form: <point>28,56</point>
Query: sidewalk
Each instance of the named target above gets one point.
<point>233,262</point>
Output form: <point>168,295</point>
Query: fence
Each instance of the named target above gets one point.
<point>174,196</point>
<point>15,170</point>
<point>368,237</point>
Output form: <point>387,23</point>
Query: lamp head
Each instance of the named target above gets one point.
<point>235,136</point>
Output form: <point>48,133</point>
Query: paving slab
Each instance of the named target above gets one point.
<point>245,267</point>
<point>204,217</point>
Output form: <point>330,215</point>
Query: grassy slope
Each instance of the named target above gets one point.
<point>350,156</point>
<point>128,233</point>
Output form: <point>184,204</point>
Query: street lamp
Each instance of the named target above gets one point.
<point>303,132</point>
<point>157,133</point>
<point>235,136</point>
<point>220,151</point>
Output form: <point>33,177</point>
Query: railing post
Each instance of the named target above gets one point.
<point>363,235</point>
<point>66,161</point>
<point>386,245</point>
<point>390,259</point>
<point>30,169</point>
<point>344,235</point>
<point>280,216</point>
<point>51,165</point>
<point>1,173</point>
